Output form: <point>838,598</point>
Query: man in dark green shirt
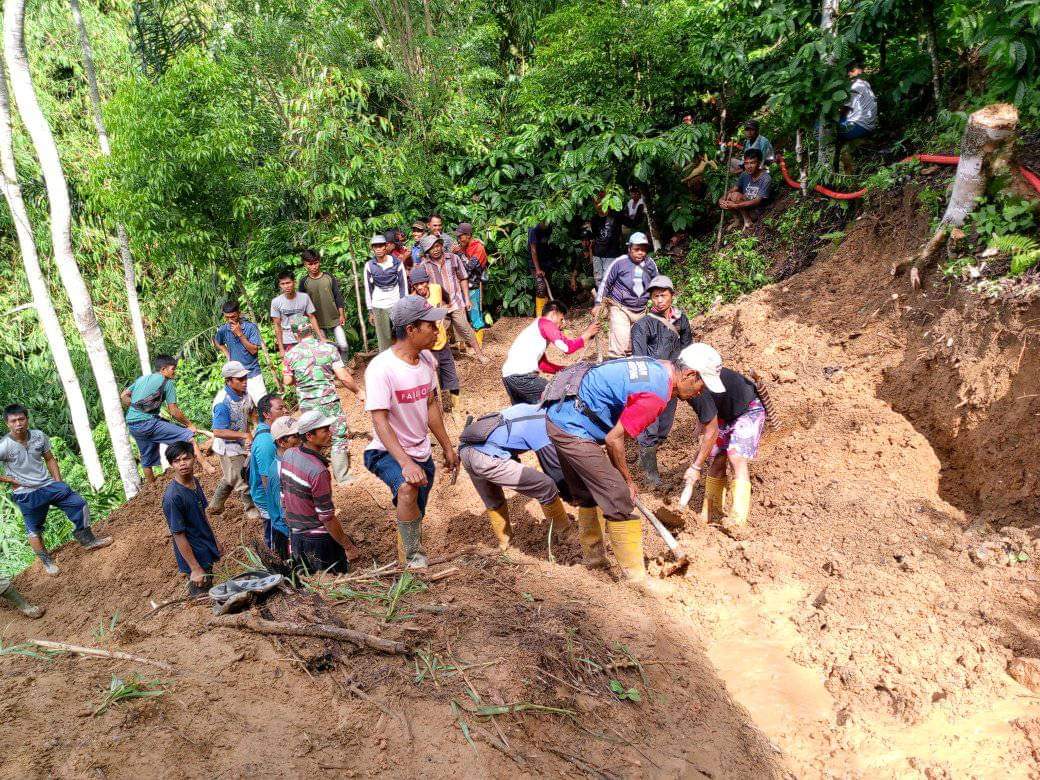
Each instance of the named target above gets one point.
<point>324,291</point>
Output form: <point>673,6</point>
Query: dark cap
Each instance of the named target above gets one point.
<point>390,236</point>
<point>464,229</point>
<point>414,308</point>
<point>427,242</point>
<point>418,275</point>
<point>419,225</point>
<point>751,124</point>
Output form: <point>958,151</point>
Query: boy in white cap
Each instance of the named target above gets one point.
<point>733,417</point>
<point>626,290</point>
<point>232,410</point>
<point>384,285</point>
<point>401,395</point>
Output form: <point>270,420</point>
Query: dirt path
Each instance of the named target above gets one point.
<point>862,631</point>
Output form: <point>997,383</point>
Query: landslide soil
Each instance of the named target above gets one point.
<point>863,629</point>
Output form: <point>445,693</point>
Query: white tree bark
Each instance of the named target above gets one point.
<point>129,274</point>
<point>824,147</point>
<point>41,294</point>
<point>61,237</point>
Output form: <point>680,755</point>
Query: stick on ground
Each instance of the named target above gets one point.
<point>320,630</point>
<point>96,652</point>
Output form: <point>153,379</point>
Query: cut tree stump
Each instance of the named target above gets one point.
<point>318,630</point>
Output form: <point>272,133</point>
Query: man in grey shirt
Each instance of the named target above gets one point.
<point>288,303</point>
<point>31,469</point>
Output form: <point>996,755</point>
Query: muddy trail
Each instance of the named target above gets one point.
<point>863,630</point>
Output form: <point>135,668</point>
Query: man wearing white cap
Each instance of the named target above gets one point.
<point>602,405</point>
<point>401,395</point>
<point>232,410</point>
<point>626,290</point>
<point>733,417</point>
<point>384,285</point>
<point>317,539</point>
<point>286,435</point>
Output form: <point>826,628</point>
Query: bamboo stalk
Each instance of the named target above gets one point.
<point>357,295</point>
<point>97,652</point>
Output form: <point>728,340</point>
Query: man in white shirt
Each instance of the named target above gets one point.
<point>859,116</point>
<point>385,285</point>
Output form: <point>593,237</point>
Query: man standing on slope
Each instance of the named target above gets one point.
<point>286,435</point>
<point>447,270</point>
<point>262,454</point>
<point>384,286</point>
<point>286,304</point>
<point>239,340</point>
<point>232,413</point>
<point>601,405</point>
<point>526,361</point>
<point>31,469</point>
<point>324,291</point>
<point>447,371</point>
<point>625,290</point>
<point>475,260</point>
<point>401,394</point>
<point>313,366</point>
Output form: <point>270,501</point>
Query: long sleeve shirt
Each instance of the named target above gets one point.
<point>626,283</point>
<point>651,337</point>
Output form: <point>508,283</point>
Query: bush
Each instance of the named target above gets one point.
<point>737,269</point>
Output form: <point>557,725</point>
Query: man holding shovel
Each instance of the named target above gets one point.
<point>590,407</point>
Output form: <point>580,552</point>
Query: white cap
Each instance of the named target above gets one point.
<point>233,370</point>
<point>283,426</point>
<point>638,238</point>
<point>706,361</point>
<point>312,420</point>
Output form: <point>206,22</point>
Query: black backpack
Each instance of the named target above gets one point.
<point>152,403</point>
<point>477,431</point>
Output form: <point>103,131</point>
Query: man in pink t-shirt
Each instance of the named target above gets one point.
<point>401,395</point>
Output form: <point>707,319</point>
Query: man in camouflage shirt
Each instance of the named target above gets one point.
<point>313,366</point>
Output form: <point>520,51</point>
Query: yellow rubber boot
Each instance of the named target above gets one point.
<point>626,538</point>
<point>499,518</point>
<point>590,534</point>
<point>480,337</point>
<point>539,304</point>
<point>556,514</point>
<point>738,513</point>
<point>714,498</point>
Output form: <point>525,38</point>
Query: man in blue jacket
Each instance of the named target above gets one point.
<point>262,453</point>
<point>626,290</point>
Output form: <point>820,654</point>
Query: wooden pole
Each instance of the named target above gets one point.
<point>322,631</point>
<point>357,296</point>
<point>729,154</point>
<point>95,652</point>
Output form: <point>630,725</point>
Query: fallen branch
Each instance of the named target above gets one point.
<point>318,630</point>
<point>97,652</point>
<point>442,574</point>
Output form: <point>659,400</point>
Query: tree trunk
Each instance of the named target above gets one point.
<point>803,173</point>
<point>824,145</point>
<point>931,41</point>
<point>651,219</point>
<point>61,237</point>
<point>129,274</point>
<point>41,294</point>
<point>986,149</point>
<point>427,18</point>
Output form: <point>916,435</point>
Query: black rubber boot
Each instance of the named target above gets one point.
<point>85,536</point>
<point>648,465</point>
<point>15,599</point>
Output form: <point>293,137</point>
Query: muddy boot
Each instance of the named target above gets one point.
<point>49,565</point>
<point>16,600</point>
<point>626,539</point>
<point>409,545</point>
<point>500,525</point>
<point>339,460</point>
<point>714,498</point>
<point>590,534</point>
<point>735,523</point>
<point>648,465</point>
<point>85,536</point>
<point>556,513</point>
<point>220,497</point>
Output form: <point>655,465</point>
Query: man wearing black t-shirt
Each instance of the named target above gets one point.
<point>606,241</point>
<point>734,418</point>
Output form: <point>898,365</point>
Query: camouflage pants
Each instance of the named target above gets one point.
<point>339,458</point>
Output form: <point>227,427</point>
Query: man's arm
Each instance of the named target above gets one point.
<point>532,247</point>
<point>251,347</point>
<point>344,376</point>
<point>219,345</point>
<point>616,452</point>
<point>366,280</point>
<point>197,574</point>
<point>317,328</point>
<point>125,398</point>
<point>52,465</point>
<point>451,458</point>
<point>337,295</point>
<point>708,437</point>
<point>413,475</point>
<point>178,414</point>
<point>278,334</point>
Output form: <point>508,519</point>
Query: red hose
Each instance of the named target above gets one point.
<point>818,187</point>
<point>1030,177</point>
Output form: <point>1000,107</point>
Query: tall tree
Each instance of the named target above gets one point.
<point>41,295</point>
<point>61,237</point>
<point>129,273</point>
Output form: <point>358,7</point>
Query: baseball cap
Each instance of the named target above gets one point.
<point>284,426</point>
<point>706,361</point>
<point>418,275</point>
<point>638,238</point>
<point>414,308</point>
<point>661,282</point>
<point>751,124</point>
<point>378,238</point>
<point>311,421</point>
<point>464,229</point>
<point>299,324</point>
<point>233,370</point>
<point>419,225</point>
<point>429,241</point>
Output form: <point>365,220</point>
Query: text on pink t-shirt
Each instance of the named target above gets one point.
<point>402,389</point>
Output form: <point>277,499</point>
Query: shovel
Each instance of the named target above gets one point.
<point>681,561</point>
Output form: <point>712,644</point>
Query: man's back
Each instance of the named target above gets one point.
<point>313,365</point>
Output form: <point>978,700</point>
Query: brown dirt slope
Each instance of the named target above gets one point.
<point>863,630</point>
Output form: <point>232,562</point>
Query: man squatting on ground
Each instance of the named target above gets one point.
<point>613,400</point>
<point>625,291</point>
<point>447,372</point>
<point>262,454</point>
<point>324,291</point>
<point>491,450</point>
<point>317,541</point>
<point>526,362</point>
<point>662,334</point>
<point>733,419</point>
<point>240,340</point>
<point>232,412</point>
<point>31,469</point>
<point>184,506</point>
<point>401,396</point>
<point>143,402</point>
<point>313,367</point>
<point>384,280</point>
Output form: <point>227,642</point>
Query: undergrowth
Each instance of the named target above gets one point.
<point>736,269</point>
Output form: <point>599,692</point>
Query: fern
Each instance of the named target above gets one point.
<point>1024,251</point>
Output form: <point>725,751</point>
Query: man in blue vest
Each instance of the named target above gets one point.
<point>232,412</point>
<point>385,285</point>
<point>613,400</point>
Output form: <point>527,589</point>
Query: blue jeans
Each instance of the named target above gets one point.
<point>476,316</point>
<point>149,434</point>
<point>851,131</point>
<point>382,464</point>
<point>36,504</point>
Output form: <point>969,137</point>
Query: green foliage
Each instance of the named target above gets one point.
<point>1004,214</point>
<point>133,687</point>
<point>1024,251</point>
<point>625,694</point>
<point>738,268</point>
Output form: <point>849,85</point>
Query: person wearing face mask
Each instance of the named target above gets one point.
<point>625,290</point>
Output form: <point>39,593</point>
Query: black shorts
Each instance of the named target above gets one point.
<point>318,552</point>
